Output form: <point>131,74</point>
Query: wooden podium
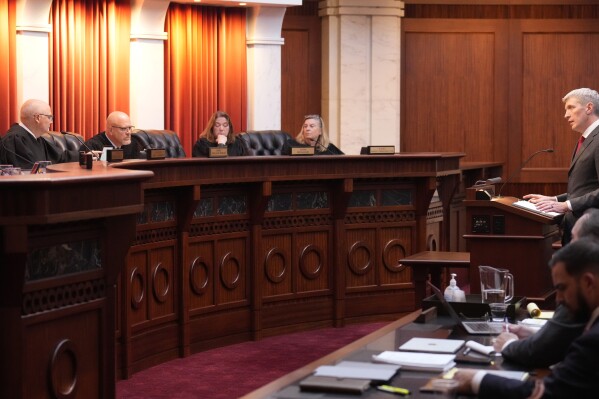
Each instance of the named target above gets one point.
<point>502,235</point>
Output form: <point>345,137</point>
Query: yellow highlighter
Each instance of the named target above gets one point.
<point>392,389</point>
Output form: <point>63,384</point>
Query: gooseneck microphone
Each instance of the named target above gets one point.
<point>318,143</point>
<point>80,142</point>
<point>522,167</point>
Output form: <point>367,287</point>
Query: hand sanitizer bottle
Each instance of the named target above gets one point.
<point>453,293</point>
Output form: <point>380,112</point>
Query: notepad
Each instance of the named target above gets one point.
<point>315,383</point>
<point>532,207</point>
<point>432,345</point>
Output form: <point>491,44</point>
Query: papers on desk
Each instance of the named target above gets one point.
<point>532,207</point>
<point>537,323</point>
<point>480,348</point>
<point>360,370</point>
<point>417,361</point>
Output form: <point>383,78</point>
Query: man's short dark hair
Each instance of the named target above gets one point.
<point>578,257</point>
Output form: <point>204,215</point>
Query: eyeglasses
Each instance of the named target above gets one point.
<point>50,117</point>
<point>124,129</point>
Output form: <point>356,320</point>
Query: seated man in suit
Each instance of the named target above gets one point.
<point>575,275</point>
<point>23,144</point>
<point>549,345</point>
<point>117,135</point>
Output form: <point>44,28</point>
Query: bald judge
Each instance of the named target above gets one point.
<point>117,135</point>
<point>23,144</point>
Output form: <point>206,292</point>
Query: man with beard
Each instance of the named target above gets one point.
<point>575,275</point>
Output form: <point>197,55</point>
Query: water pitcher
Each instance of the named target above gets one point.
<point>496,285</point>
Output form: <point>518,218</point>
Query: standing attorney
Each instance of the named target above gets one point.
<point>582,113</point>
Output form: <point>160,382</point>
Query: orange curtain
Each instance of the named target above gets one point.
<point>89,66</point>
<point>205,68</point>
<point>8,66</point>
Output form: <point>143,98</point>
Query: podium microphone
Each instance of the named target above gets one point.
<point>522,167</point>
<point>80,142</point>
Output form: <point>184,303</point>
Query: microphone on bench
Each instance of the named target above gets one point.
<point>94,156</point>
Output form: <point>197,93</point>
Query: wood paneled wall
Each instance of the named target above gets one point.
<point>488,80</point>
<point>300,66</point>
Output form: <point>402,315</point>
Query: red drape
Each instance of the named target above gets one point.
<point>205,68</point>
<point>89,67</point>
<point>8,66</point>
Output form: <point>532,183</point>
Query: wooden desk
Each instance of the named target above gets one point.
<point>389,337</point>
<point>234,249</point>
<point>433,262</point>
<point>64,237</point>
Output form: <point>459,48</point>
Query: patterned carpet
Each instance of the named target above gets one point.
<point>233,371</point>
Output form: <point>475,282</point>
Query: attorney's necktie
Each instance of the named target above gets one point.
<point>580,141</point>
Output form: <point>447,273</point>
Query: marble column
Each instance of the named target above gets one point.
<point>264,41</point>
<point>146,81</point>
<point>361,72</point>
<point>33,69</point>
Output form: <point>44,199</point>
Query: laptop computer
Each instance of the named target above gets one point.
<point>472,327</point>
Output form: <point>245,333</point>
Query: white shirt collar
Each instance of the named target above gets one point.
<point>590,129</point>
<point>26,128</point>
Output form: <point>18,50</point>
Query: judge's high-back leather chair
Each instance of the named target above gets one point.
<point>265,142</point>
<point>64,142</point>
<point>166,139</point>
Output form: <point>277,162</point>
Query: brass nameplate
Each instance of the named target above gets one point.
<point>302,150</point>
<point>217,152</point>
<point>115,155</point>
<point>155,153</point>
<point>380,149</point>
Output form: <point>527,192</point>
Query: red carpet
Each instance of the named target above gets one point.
<point>236,370</point>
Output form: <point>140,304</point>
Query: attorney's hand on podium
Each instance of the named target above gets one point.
<point>547,204</point>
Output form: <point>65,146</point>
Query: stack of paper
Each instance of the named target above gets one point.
<point>417,361</point>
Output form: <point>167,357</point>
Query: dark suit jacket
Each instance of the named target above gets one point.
<point>99,141</point>
<point>20,148</point>
<point>583,182</point>
<point>549,345</point>
<point>577,376</point>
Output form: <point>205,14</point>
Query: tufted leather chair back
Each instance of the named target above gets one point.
<point>264,142</point>
<point>63,142</point>
<point>166,139</point>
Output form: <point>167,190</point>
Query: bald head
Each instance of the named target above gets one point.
<point>118,128</point>
<point>37,116</point>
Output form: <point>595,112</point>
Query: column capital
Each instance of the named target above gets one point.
<point>147,19</point>
<point>357,7</point>
<point>264,25</point>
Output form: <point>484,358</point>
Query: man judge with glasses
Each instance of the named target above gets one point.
<point>117,135</point>
<point>23,144</point>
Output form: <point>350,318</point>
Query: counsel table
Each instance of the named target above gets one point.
<point>389,337</point>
